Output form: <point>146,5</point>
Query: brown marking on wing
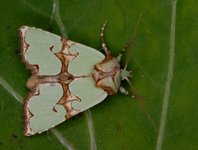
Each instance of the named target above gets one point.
<point>54,110</point>
<point>67,99</point>
<point>65,59</point>
<point>51,48</point>
<point>106,87</point>
<point>27,113</point>
<point>24,47</point>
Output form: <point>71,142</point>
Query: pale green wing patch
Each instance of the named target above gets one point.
<point>84,63</point>
<point>44,111</point>
<point>87,91</point>
<point>38,48</point>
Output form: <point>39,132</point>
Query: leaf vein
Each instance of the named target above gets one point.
<point>91,130</point>
<point>56,14</point>
<point>35,9</point>
<point>169,78</point>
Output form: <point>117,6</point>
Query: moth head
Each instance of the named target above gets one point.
<point>107,73</point>
<point>125,74</point>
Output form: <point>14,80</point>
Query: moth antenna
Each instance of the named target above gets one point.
<point>119,57</point>
<point>141,102</point>
<point>104,47</point>
<point>130,44</point>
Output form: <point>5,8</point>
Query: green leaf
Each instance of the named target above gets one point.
<point>164,65</point>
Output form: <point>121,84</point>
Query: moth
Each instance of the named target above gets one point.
<point>66,77</point>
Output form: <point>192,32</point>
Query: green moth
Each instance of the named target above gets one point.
<point>67,77</point>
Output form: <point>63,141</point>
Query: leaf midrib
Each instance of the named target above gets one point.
<point>169,78</point>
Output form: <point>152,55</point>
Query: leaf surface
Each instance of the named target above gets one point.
<point>118,122</point>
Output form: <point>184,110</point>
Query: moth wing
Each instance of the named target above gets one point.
<point>41,109</point>
<point>38,48</point>
<point>89,94</point>
<point>84,86</point>
<point>43,112</point>
<point>87,58</point>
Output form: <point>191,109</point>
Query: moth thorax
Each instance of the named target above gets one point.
<point>33,81</point>
<point>107,75</point>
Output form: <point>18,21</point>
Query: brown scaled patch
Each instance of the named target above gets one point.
<point>100,74</point>
<point>54,110</point>
<point>65,78</point>
<point>106,88</point>
<point>66,101</point>
<point>27,113</point>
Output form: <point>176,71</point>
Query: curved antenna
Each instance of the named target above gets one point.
<point>104,47</point>
<point>141,101</point>
<point>131,42</point>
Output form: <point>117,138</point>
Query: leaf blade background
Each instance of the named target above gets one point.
<point>119,122</point>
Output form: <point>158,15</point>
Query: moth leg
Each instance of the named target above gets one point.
<point>123,90</point>
<point>104,47</point>
<point>119,57</point>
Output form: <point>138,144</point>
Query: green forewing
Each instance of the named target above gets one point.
<point>46,112</point>
<point>87,57</point>
<point>86,90</point>
<point>40,42</point>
